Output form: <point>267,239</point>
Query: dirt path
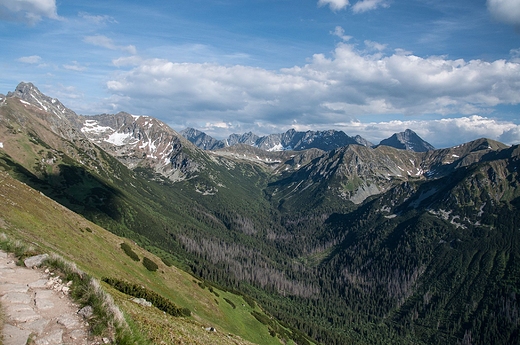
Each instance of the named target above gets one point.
<point>36,305</point>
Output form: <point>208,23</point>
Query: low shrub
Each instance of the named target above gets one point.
<point>149,264</point>
<point>230,303</point>
<point>157,300</point>
<point>128,251</point>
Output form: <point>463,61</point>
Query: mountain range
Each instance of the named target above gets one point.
<point>293,140</point>
<point>341,240</point>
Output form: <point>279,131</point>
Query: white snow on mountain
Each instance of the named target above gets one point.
<point>92,126</point>
<point>120,139</point>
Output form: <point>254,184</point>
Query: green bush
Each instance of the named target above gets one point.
<point>150,265</point>
<point>230,303</point>
<point>157,300</point>
<point>128,251</point>
<point>167,261</point>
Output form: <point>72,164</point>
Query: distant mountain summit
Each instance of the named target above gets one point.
<point>407,140</point>
<point>201,139</point>
<point>291,140</point>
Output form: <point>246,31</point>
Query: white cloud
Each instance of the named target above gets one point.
<point>359,7</point>
<point>374,45</point>
<point>506,11</point>
<point>511,136</point>
<point>340,32</point>
<point>33,59</point>
<point>368,5</point>
<point>349,84</point>
<point>74,66</point>
<point>30,11</point>
<point>441,133</point>
<point>334,5</point>
<point>105,42</point>
<point>97,19</point>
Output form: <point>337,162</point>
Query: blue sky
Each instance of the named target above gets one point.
<point>448,70</point>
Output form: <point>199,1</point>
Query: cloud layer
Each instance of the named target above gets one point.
<point>350,84</point>
<point>440,133</point>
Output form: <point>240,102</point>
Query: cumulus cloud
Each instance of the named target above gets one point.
<point>511,136</point>
<point>374,45</point>
<point>29,11</point>
<point>105,42</point>
<point>441,133</point>
<point>506,11</point>
<point>348,84</point>
<point>340,32</point>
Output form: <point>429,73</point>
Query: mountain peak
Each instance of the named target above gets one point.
<point>31,95</point>
<point>407,140</point>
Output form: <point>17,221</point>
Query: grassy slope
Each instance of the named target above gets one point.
<point>26,214</point>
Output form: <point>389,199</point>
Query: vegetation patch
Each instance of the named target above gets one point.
<point>230,302</point>
<point>157,300</point>
<point>149,264</point>
<point>128,251</point>
<point>276,329</point>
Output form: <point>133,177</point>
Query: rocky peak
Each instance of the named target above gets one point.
<point>61,119</point>
<point>29,93</point>
<point>248,138</point>
<point>407,140</point>
<point>362,141</point>
<point>201,139</point>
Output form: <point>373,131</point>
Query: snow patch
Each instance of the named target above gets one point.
<point>118,139</point>
<point>1,145</point>
<point>277,147</point>
<point>92,126</point>
<point>37,100</point>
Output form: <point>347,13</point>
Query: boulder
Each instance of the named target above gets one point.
<point>35,261</point>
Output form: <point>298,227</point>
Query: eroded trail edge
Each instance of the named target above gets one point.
<point>36,307</point>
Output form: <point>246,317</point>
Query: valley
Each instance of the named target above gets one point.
<point>335,239</point>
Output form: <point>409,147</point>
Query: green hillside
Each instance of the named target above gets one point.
<point>27,215</point>
<point>351,246</point>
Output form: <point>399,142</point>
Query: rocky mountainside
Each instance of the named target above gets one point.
<point>142,141</point>
<point>407,140</point>
<point>349,244</point>
<point>61,118</point>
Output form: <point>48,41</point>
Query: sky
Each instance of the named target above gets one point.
<point>449,70</point>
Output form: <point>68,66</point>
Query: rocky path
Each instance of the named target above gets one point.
<point>36,308</point>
